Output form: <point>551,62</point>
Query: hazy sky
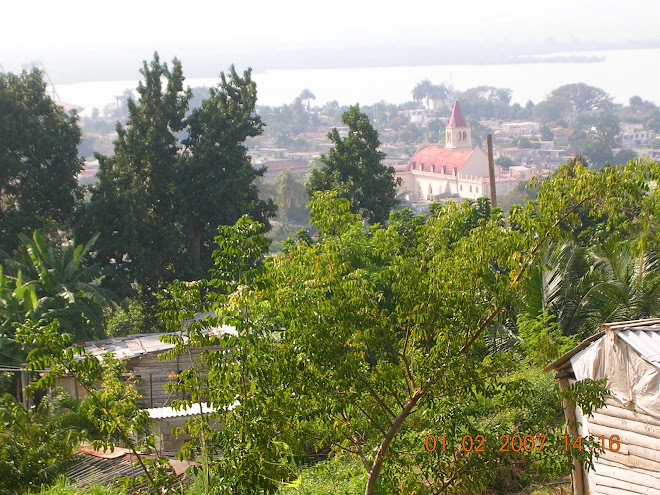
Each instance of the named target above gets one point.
<point>80,39</point>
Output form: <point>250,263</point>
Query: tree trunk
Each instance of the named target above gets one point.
<point>195,241</point>
<point>385,444</point>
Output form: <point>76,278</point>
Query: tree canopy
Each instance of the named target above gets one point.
<point>584,97</point>
<point>175,177</point>
<point>39,161</point>
<point>354,166</point>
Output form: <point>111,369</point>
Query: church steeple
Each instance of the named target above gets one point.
<point>458,135</point>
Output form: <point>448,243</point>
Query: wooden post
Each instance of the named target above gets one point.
<point>25,381</point>
<point>571,427</point>
<point>491,171</point>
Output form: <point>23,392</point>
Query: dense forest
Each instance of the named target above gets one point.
<point>368,330</point>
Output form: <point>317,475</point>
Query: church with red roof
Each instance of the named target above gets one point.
<point>453,170</point>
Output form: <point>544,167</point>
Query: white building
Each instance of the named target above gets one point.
<point>456,169</point>
<point>632,138</point>
<point>519,129</point>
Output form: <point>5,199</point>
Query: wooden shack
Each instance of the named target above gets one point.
<point>141,354</point>
<point>627,354</point>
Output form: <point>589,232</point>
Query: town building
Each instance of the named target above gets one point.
<point>631,138</point>
<point>455,170</point>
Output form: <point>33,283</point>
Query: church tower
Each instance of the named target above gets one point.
<point>458,135</point>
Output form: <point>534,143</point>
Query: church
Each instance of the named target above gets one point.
<point>455,170</point>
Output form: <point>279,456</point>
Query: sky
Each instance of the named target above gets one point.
<point>103,40</point>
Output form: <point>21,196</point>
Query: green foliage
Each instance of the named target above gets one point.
<point>541,339</point>
<point>39,160</point>
<point>355,167</point>
<point>216,181</point>
<point>583,288</point>
<point>135,205</point>
<point>57,283</point>
<point>291,197</point>
<point>624,156</point>
<point>584,97</point>
<point>245,374</point>
<point>505,161</point>
<point>341,475</point>
<point>174,177</point>
<point>111,410</point>
<point>64,487</point>
<point>552,109</point>
<point>34,446</point>
<point>127,319</point>
<point>487,102</point>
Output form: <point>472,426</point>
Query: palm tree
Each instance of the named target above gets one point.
<point>306,95</point>
<point>583,288</point>
<point>438,92</point>
<point>422,90</point>
<point>291,196</point>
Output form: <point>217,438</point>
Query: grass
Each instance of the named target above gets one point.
<point>340,475</point>
<point>63,487</point>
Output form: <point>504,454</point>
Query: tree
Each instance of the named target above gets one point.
<point>135,204</point>
<point>438,92</point>
<point>390,328</point>
<point>39,161</point>
<point>306,95</point>
<point>486,102</point>
<point>546,133</point>
<point>216,180</point>
<point>422,90</point>
<point>291,197</point>
<point>247,374</point>
<point>623,156</point>
<point>355,166</point>
<point>175,177</point>
<point>35,447</point>
<point>586,287</point>
<point>608,127</point>
<point>506,161</point>
<point>552,109</point>
<point>584,97</point>
<point>597,150</point>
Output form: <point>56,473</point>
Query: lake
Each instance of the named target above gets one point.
<point>622,73</point>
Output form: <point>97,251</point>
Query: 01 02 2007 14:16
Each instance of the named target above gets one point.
<point>516,443</point>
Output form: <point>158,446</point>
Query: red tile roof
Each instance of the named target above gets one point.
<point>439,157</point>
<point>456,119</point>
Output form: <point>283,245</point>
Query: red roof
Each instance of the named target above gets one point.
<point>433,158</point>
<point>456,119</point>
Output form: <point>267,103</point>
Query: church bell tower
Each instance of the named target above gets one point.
<point>458,134</point>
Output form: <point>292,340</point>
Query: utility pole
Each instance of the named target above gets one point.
<point>491,171</point>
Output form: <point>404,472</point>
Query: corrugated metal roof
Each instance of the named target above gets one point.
<point>643,336</point>
<point>95,468</point>
<point>136,345</point>
<point>170,412</point>
<point>645,341</point>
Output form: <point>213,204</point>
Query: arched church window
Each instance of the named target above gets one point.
<point>464,135</point>
<point>444,169</point>
<point>433,168</point>
<point>453,171</point>
<point>413,165</point>
<point>459,135</point>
